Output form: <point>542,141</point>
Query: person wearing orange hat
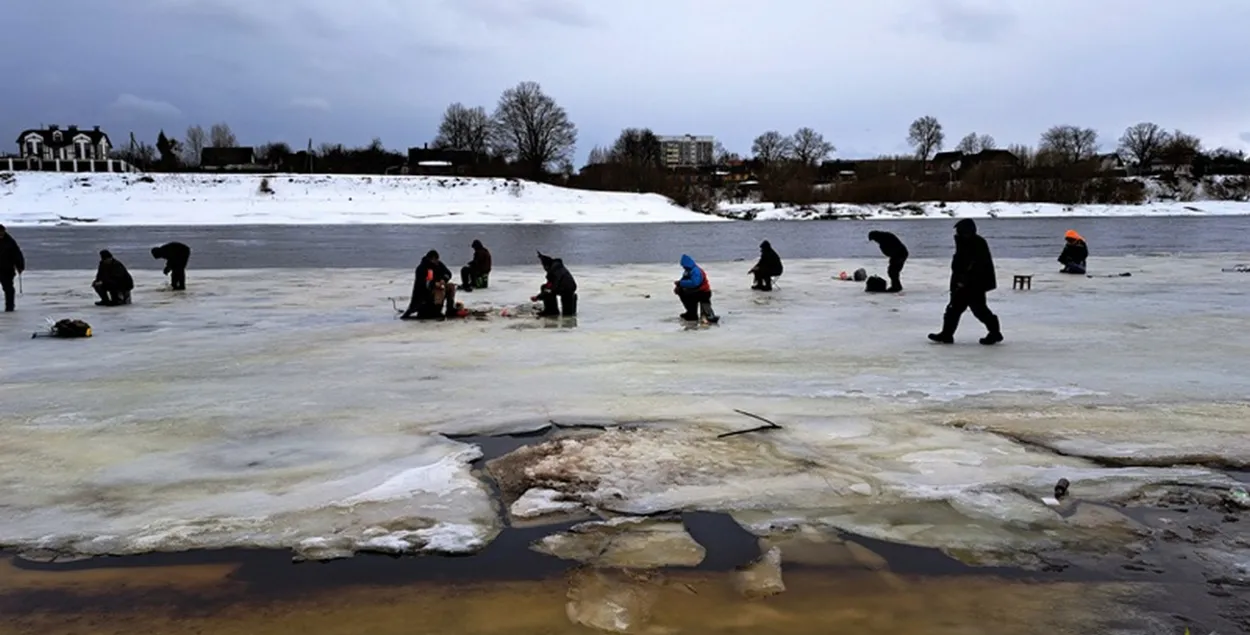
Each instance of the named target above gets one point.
<point>1075,251</point>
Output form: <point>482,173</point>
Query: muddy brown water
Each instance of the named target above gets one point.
<point>508,588</point>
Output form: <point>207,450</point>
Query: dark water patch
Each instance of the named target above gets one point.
<point>401,246</point>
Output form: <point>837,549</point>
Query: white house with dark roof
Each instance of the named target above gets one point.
<point>70,144</point>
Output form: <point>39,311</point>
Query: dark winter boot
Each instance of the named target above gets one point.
<point>705,307</point>
<point>950,323</point>
<point>995,335</point>
<point>942,338</point>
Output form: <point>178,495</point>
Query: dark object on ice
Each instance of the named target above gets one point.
<point>431,290</point>
<point>559,293</point>
<point>695,291</point>
<point>875,284</point>
<point>1074,253</point>
<point>112,281</point>
<point>176,256</point>
<point>768,267</point>
<point>1126,274</point>
<point>68,329</point>
<point>860,275</point>
<point>12,264</point>
<point>768,425</point>
<point>896,251</point>
<point>1061,488</point>
<point>476,274</point>
<point>1236,269</point>
<point>972,277</point>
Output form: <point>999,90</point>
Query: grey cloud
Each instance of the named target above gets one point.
<point>157,108</point>
<point>961,21</point>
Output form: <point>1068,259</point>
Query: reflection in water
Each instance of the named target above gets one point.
<point>210,599</point>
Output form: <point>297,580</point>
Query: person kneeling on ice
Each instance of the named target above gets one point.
<point>768,267</point>
<point>1074,253</point>
<point>559,293</point>
<point>431,290</point>
<point>476,274</point>
<point>176,256</point>
<point>896,251</point>
<point>112,281</point>
<point>972,277</point>
<point>695,291</point>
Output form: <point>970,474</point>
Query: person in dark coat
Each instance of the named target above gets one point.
<point>1074,253</point>
<point>695,291</point>
<point>972,277</point>
<point>896,251</point>
<point>432,289</point>
<point>768,267</point>
<point>176,256</point>
<point>112,281</point>
<point>559,293</point>
<point>476,274</point>
<point>12,263</point>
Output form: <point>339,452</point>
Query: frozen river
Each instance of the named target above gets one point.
<point>287,408</point>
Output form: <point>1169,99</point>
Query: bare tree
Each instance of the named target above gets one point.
<point>221,136</point>
<point>599,155</point>
<point>531,128</point>
<point>1181,148</point>
<point>973,143</point>
<point>810,146</point>
<point>722,156</point>
<point>1143,142</point>
<point>772,146</point>
<point>1026,156</point>
<point>464,128</point>
<point>637,147</point>
<point>926,137</point>
<point>273,153</point>
<point>193,145</point>
<point>1069,144</point>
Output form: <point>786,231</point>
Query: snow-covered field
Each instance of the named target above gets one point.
<point>287,408</point>
<point>43,198</point>
<point>767,211</point>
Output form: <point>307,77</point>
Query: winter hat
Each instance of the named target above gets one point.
<point>477,244</point>
<point>766,245</point>
<point>1072,235</point>
<point>431,255</point>
<point>105,254</point>
<point>966,226</point>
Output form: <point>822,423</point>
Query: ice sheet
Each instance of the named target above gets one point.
<point>288,408</point>
<point>39,198</point>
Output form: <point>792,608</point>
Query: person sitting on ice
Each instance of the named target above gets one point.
<point>768,267</point>
<point>1075,251</point>
<point>431,290</point>
<point>112,281</point>
<point>476,274</point>
<point>176,256</point>
<point>559,293</point>
<point>695,291</point>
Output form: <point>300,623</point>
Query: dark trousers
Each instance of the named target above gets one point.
<point>111,295</point>
<point>896,268</point>
<point>6,283</point>
<point>695,301</point>
<point>963,300</point>
<point>470,276</point>
<point>422,304</point>
<point>763,282</point>
<point>553,303</point>
<point>178,278</point>
<point>1073,267</point>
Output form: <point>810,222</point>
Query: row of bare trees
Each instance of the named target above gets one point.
<point>527,127</point>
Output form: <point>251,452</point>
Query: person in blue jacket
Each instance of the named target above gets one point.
<point>695,291</point>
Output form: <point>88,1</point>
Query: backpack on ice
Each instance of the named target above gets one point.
<point>69,329</point>
<point>875,284</point>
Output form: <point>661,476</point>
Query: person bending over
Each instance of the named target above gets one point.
<point>559,293</point>
<point>768,267</point>
<point>695,291</point>
<point>112,281</point>
<point>896,251</point>
<point>432,289</point>
<point>176,256</point>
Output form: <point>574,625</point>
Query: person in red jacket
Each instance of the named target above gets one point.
<point>695,291</point>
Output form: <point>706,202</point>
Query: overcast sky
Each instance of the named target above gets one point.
<point>859,71</point>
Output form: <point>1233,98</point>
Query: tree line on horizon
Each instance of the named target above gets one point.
<point>528,134</point>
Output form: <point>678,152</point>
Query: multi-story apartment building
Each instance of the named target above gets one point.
<point>687,151</point>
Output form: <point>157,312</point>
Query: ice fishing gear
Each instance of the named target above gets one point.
<point>66,329</point>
